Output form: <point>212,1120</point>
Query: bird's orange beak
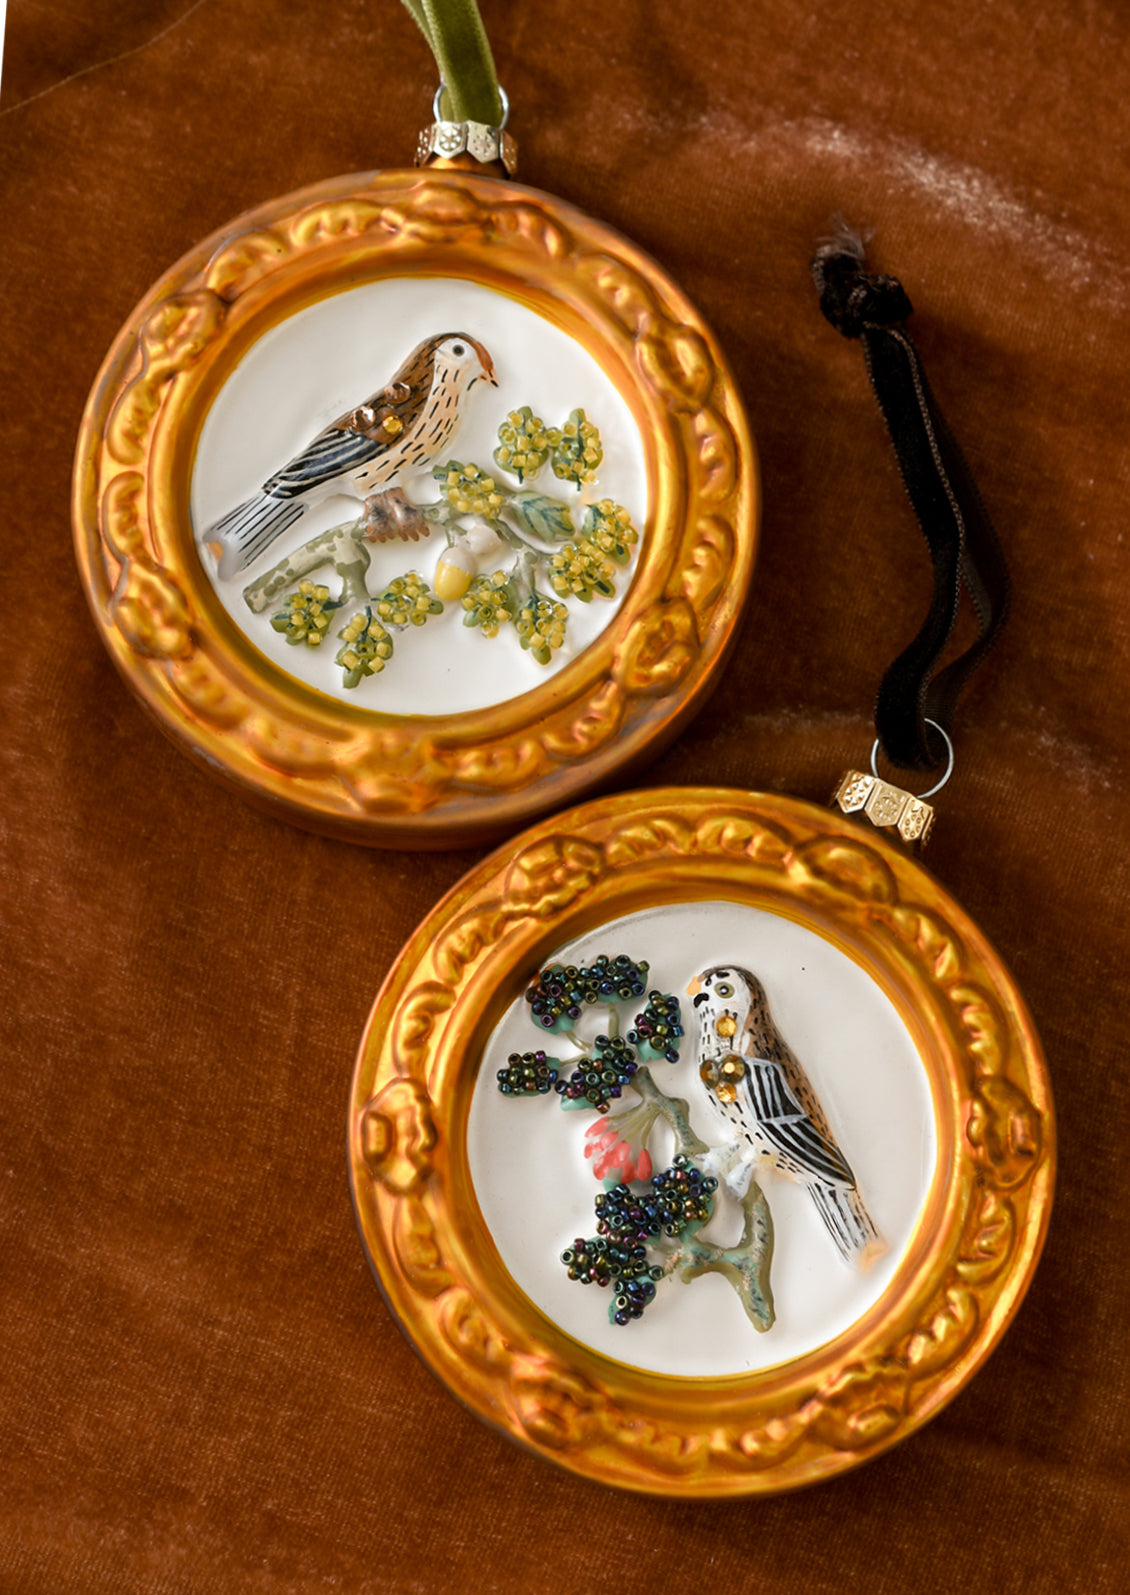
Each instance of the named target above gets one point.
<point>695,986</point>
<point>485,361</point>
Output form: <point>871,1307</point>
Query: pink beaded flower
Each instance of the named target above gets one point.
<point>612,1157</point>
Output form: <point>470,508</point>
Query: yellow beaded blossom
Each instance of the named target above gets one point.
<point>524,443</point>
<point>365,649</point>
<point>467,490</point>
<point>541,626</point>
<point>407,601</point>
<point>577,452</point>
<point>306,618</point>
<point>608,527</point>
<point>578,570</point>
<point>489,603</point>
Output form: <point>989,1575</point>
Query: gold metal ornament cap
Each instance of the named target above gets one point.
<point>901,815</point>
<point>889,808</point>
<point>482,142</point>
<point>447,141</point>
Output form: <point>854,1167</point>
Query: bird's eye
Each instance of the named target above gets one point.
<point>724,989</point>
<point>457,349</point>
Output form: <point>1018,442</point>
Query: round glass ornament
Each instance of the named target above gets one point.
<point>762,1360</point>
<point>455,658</point>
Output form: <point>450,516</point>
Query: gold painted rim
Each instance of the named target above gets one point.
<point>978,1238</point>
<point>353,772</point>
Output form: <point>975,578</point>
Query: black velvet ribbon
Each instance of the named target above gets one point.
<point>964,547</point>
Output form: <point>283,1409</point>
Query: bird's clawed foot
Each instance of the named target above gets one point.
<point>732,1166</point>
<point>389,515</point>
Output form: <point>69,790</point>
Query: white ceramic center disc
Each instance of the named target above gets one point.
<point>536,1187</point>
<point>332,356</point>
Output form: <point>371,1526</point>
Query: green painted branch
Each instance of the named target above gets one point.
<point>442,514</point>
<point>636,1124</point>
<point>342,547</point>
<point>745,1266</point>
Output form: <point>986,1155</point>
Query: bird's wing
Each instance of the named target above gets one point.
<point>786,1124</point>
<point>354,439</point>
<point>402,398</point>
<point>331,454</point>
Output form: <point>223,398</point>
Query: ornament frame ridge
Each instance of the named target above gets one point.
<point>358,773</point>
<point>978,1237</point>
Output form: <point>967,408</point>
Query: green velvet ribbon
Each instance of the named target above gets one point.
<point>454,30</point>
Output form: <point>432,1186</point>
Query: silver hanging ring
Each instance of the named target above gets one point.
<point>946,773</point>
<point>442,90</point>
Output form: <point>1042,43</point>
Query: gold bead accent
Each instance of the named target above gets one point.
<point>392,426</point>
<point>726,1025</point>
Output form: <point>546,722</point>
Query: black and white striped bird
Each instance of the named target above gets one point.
<point>757,1081</point>
<point>401,428</point>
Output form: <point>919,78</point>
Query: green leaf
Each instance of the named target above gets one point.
<point>608,525</point>
<point>542,517</point>
<point>578,451</point>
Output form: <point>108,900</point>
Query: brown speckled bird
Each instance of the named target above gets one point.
<point>401,428</point>
<point>757,1081</point>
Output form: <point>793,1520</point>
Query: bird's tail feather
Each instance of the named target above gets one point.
<point>848,1223</point>
<point>244,532</point>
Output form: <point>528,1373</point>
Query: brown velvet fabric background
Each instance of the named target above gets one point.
<point>200,1387</point>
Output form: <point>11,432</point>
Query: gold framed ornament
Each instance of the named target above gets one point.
<point>415,504</point>
<point>723,1310</point>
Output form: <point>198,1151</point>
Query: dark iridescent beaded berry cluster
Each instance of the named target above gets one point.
<point>527,1074</point>
<point>684,1195</point>
<point>659,1029</point>
<point>560,991</point>
<point>679,1195</point>
<point>625,1215</point>
<point>633,1296</point>
<point>626,1220</point>
<point>624,1267</point>
<point>600,1078</point>
<point>587,1261</point>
